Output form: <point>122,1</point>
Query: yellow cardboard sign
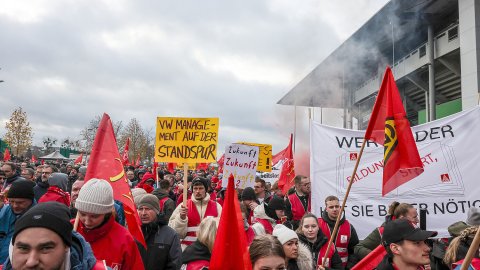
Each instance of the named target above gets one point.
<point>265,156</point>
<point>191,140</point>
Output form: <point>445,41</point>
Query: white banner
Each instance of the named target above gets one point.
<point>271,177</point>
<point>241,161</point>
<point>450,185</point>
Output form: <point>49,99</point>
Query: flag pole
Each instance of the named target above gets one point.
<point>185,183</point>
<point>339,217</point>
<point>77,219</point>
<point>471,251</point>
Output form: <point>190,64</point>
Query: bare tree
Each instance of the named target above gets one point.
<point>138,139</point>
<point>19,133</point>
<point>89,132</point>
<point>49,143</point>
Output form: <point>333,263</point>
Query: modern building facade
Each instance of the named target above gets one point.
<point>434,48</point>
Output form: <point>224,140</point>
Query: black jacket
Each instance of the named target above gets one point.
<point>385,264</point>
<point>163,246</point>
<point>352,258</point>
<point>336,262</point>
<point>40,189</point>
<point>169,205</point>
<point>196,252</point>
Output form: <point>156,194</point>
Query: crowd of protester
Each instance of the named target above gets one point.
<point>39,204</point>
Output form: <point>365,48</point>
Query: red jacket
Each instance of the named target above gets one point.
<point>197,265</point>
<point>55,194</point>
<point>114,244</point>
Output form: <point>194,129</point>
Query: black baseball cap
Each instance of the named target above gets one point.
<point>401,229</point>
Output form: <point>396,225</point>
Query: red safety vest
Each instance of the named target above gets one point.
<point>322,252</point>
<point>297,207</point>
<point>162,203</point>
<point>343,238</point>
<point>266,224</point>
<point>194,220</point>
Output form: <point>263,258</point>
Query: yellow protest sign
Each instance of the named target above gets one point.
<point>186,140</point>
<point>265,156</point>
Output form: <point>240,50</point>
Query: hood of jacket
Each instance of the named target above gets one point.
<point>204,200</point>
<point>81,254</point>
<point>160,193</point>
<point>259,212</point>
<point>304,259</point>
<point>196,252</point>
<point>331,223</point>
<point>58,180</point>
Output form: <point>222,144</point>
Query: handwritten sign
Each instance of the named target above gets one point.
<point>241,161</point>
<point>265,156</point>
<point>186,140</point>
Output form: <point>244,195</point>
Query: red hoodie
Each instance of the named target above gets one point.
<point>114,244</point>
<point>148,188</point>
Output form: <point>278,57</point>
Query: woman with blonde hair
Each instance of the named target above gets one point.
<point>197,255</point>
<point>266,252</point>
<point>458,248</point>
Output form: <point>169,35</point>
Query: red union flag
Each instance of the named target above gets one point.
<point>285,180</point>
<point>125,152</point>
<point>6,155</point>
<point>105,163</point>
<point>79,159</point>
<point>389,126</point>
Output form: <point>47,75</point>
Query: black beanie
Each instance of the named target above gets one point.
<point>21,189</point>
<point>248,194</point>
<point>276,203</point>
<point>54,216</point>
<point>200,180</point>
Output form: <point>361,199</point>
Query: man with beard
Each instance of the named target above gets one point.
<point>11,175</point>
<point>163,245</point>
<point>41,188</point>
<point>298,203</point>
<point>185,220</point>
<point>20,199</point>
<point>346,237</point>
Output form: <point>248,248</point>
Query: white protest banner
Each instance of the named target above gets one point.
<point>449,186</point>
<point>241,161</point>
<point>271,177</point>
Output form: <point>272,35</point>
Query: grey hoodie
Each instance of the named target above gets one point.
<point>59,180</point>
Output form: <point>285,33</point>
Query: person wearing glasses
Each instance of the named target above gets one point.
<point>260,189</point>
<point>42,186</point>
<point>11,175</point>
<point>298,203</point>
<point>346,237</point>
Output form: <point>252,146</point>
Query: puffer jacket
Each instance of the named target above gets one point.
<point>304,260</point>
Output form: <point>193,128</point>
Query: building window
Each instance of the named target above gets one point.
<point>422,51</point>
<point>453,33</point>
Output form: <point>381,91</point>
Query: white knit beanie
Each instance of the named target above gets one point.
<point>95,197</point>
<point>284,234</point>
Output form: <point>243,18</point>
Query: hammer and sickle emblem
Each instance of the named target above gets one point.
<point>391,139</point>
<point>118,176</point>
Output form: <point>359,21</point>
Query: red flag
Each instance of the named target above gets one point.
<point>105,163</point>
<point>171,167</point>
<point>372,259</point>
<point>79,159</point>
<point>230,248</point>
<point>155,168</point>
<point>220,163</point>
<point>34,159</point>
<point>6,155</point>
<point>389,126</point>
<point>285,180</point>
<point>125,152</point>
<point>137,163</point>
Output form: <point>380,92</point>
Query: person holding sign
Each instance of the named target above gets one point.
<point>185,220</point>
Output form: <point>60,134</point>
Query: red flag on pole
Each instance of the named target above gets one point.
<point>34,159</point>
<point>171,167</point>
<point>125,152</point>
<point>79,159</point>
<point>105,163</point>
<point>202,166</point>
<point>372,260</point>
<point>220,163</point>
<point>389,126</point>
<point>230,249</point>
<point>285,180</point>
<point>6,155</point>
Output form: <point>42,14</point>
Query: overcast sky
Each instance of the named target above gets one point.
<point>66,61</point>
